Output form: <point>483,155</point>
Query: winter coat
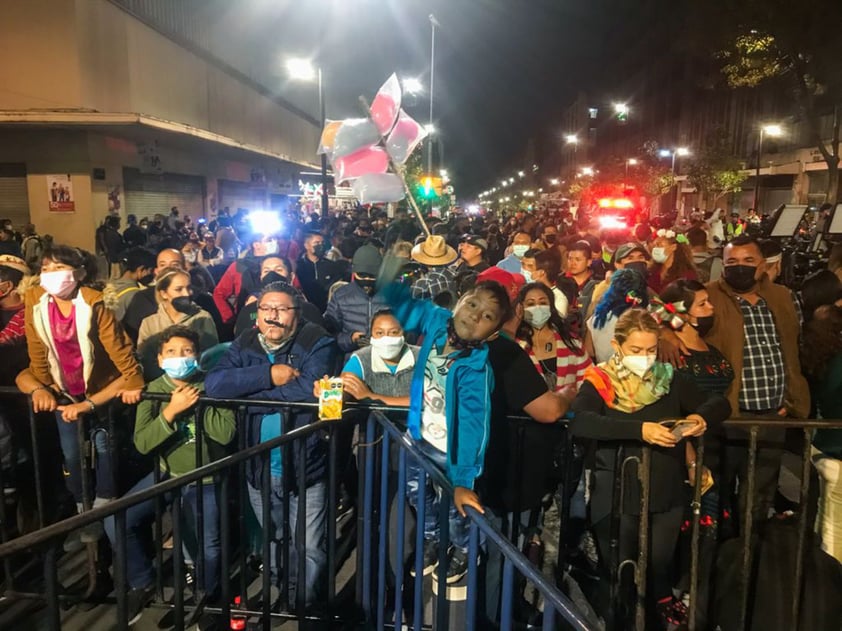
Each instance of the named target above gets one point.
<point>350,309</point>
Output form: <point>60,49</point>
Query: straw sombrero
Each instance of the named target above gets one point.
<point>433,251</point>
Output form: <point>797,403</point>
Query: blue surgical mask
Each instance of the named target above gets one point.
<point>526,275</point>
<point>179,367</point>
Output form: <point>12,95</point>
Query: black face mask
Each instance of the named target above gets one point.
<point>637,266</point>
<point>740,277</point>
<point>366,284</point>
<point>549,239</point>
<point>704,325</point>
<point>146,280</point>
<point>458,342</point>
<point>183,304</point>
<point>273,277</point>
<point>319,250</point>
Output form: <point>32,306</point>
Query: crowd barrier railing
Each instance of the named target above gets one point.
<point>43,545</point>
<point>747,526</point>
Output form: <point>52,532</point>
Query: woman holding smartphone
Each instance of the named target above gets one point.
<point>622,402</point>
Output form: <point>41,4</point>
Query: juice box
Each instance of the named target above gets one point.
<point>330,400</point>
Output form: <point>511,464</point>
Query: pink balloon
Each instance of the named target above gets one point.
<point>405,136</point>
<point>384,108</point>
<point>368,160</point>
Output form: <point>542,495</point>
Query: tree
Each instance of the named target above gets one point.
<point>789,44</point>
<point>716,171</point>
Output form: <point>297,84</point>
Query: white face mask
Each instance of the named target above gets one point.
<point>60,283</point>
<point>659,255</point>
<point>387,347</point>
<point>527,275</point>
<point>639,364</point>
<point>537,315</point>
<point>190,257</point>
<point>519,250</point>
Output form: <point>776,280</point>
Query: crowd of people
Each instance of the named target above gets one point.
<point>647,335</point>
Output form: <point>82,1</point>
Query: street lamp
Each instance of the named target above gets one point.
<point>412,85</point>
<point>304,70</point>
<point>680,151</point>
<point>511,180</point>
<point>554,181</point>
<point>520,173</point>
<point>775,131</point>
<point>630,162</point>
<point>587,171</point>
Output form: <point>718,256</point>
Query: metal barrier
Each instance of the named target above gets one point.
<point>46,541</point>
<point>753,428</point>
<point>376,604</point>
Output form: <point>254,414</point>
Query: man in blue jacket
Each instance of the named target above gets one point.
<point>279,361</point>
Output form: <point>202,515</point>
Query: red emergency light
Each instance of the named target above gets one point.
<point>615,202</point>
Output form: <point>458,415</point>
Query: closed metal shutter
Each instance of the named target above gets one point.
<point>148,195</point>
<point>236,195</point>
<point>14,196</point>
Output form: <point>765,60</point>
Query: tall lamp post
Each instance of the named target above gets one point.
<point>573,139</point>
<point>774,131</point>
<point>433,24</point>
<point>303,70</point>
<point>629,162</point>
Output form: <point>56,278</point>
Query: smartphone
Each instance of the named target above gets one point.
<point>678,428</point>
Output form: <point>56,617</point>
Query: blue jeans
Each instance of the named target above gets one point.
<point>139,518</point>
<point>69,439</point>
<point>315,548</point>
<point>458,526</point>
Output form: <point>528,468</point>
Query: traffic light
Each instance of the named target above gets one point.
<point>431,187</point>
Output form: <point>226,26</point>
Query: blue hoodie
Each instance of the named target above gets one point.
<point>468,386</point>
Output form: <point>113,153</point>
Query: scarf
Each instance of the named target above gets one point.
<point>624,391</point>
<point>457,342</point>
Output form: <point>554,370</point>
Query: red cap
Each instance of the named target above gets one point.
<point>510,282</point>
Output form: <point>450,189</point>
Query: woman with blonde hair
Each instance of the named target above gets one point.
<point>175,306</point>
<point>623,401</point>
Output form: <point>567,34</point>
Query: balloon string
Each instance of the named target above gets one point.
<point>397,170</point>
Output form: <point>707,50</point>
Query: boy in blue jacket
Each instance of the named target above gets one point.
<point>450,403</point>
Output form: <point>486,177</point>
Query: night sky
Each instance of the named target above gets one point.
<point>505,69</point>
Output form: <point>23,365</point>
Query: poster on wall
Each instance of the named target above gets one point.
<point>60,191</point>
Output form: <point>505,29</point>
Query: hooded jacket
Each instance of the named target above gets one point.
<point>107,352</point>
<point>468,386</point>
<point>245,372</point>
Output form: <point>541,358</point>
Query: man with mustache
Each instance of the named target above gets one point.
<point>279,361</point>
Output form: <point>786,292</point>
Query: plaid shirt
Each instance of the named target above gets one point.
<point>763,379</point>
<point>435,282</point>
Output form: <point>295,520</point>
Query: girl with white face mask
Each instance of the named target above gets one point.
<point>383,370</point>
<point>621,402</point>
<point>672,259</point>
<point>556,353</point>
<point>80,359</point>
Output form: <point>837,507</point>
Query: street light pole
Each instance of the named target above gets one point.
<point>757,169</point>
<point>433,24</point>
<point>325,196</point>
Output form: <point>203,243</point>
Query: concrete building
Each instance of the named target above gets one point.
<point>105,108</point>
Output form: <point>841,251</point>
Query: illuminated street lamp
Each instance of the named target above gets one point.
<point>630,162</point>
<point>511,180</point>
<point>775,131</point>
<point>412,85</point>
<point>680,151</point>
<point>303,70</point>
<point>587,171</point>
<point>622,112</point>
<point>521,174</point>
<point>571,139</point>
<point>554,181</point>
<point>430,129</point>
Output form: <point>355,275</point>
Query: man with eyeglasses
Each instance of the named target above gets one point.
<point>279,361</point>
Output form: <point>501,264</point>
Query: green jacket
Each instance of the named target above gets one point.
<point>177,439</point>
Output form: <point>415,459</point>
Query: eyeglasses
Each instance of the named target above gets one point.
<point>282,310</point>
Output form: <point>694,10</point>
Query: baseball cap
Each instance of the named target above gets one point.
<point>474,240</point>
<point>626,249</point>
<point>367,260</point>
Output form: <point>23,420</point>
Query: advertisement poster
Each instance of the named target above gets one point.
<point>60,190</point>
